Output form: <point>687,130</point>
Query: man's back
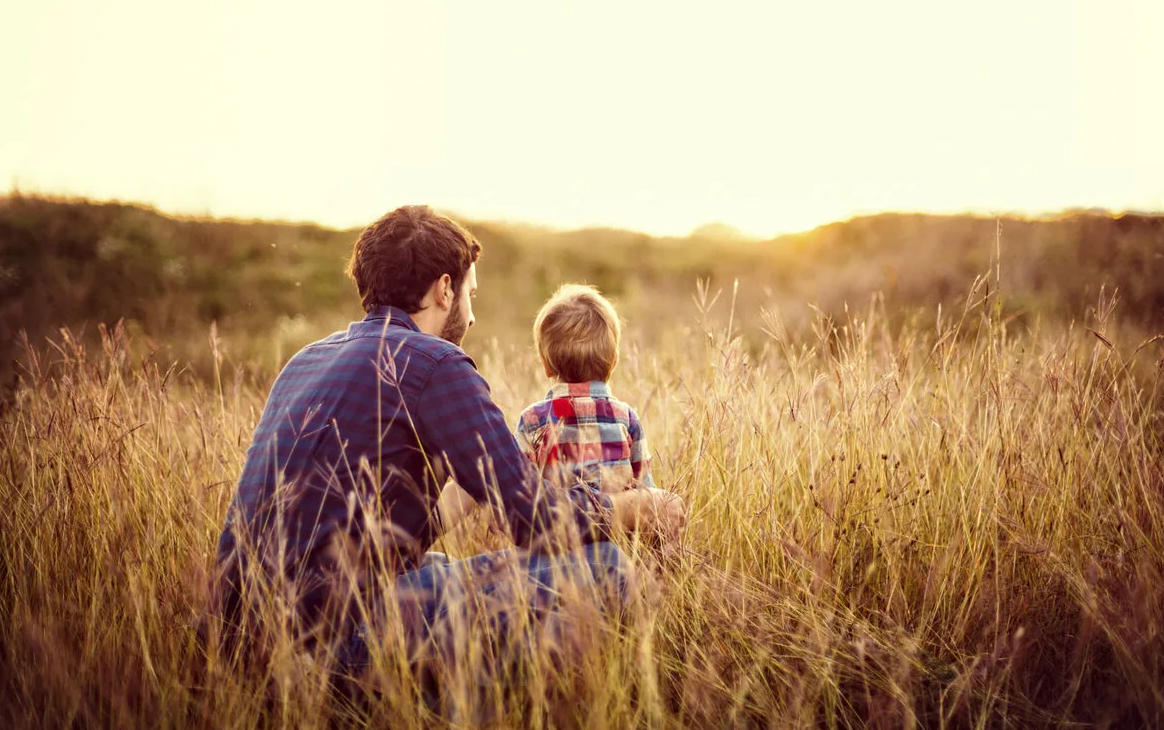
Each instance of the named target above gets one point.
<point>337,425</point>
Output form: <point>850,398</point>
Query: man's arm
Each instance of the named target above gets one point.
<point>459,424</point>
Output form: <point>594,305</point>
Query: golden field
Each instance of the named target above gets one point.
<point>933,499</point>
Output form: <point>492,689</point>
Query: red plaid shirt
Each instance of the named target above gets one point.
<point>582,432</point>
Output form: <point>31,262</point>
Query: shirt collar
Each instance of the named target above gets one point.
<point>593,389</point>
<point>395,316</point>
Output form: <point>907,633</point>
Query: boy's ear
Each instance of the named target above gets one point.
<point>546,366</point>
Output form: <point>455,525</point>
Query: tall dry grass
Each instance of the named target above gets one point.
<point>949,523</point>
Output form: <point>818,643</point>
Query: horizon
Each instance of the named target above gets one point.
<point>772,121</point>
<point>730,230</point>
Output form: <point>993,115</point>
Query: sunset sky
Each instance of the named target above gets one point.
<point>655,116</point>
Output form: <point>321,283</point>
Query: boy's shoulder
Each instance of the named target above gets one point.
<point>578,401</point>
<point>536,413</point>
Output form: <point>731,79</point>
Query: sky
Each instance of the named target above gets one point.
<point>655,116</point>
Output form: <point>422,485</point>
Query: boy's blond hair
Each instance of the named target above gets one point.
<point>577,333</point>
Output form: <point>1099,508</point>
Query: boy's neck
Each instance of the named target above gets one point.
<point>562,388</point>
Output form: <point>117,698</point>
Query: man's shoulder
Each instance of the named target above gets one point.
<point>375,340</point>
<point>362,355</point>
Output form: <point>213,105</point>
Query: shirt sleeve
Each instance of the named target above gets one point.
<point>459,424</point>
<point>640,456</point>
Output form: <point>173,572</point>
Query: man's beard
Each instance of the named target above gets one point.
<point>455,326</point>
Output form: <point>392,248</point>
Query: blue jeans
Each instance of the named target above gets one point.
<point>497,596</point>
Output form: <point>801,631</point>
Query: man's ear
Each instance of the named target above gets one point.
<point>445,293</point>
<point>440,293</point>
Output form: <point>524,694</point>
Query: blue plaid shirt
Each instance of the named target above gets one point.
<point>362,429</point>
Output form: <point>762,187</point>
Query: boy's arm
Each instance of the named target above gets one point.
<point>527,426</point>
<point>640,457</point>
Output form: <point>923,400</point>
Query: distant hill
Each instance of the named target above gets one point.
<point>76,263</point>
<point>721,232</point>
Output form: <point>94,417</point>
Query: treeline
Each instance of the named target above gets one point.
<point>76,263</point>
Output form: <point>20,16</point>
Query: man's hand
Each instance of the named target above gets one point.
<point>654,511</point>
<point>453,505</point>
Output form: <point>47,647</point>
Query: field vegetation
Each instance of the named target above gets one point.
<point>923,459</point>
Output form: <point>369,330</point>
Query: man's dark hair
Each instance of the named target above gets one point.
<point>396,259</point>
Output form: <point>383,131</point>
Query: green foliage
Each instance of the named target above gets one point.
<point>77,263</point>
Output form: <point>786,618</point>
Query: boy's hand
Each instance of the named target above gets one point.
<point>650,510</point>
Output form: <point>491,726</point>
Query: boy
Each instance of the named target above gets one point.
<point>581,432</point>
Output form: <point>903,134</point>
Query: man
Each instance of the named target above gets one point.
<point>360,433</point>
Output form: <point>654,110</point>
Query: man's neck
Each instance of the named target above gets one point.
<point>428,320</point>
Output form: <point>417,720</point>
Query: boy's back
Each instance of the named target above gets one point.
<point>582,432</point>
